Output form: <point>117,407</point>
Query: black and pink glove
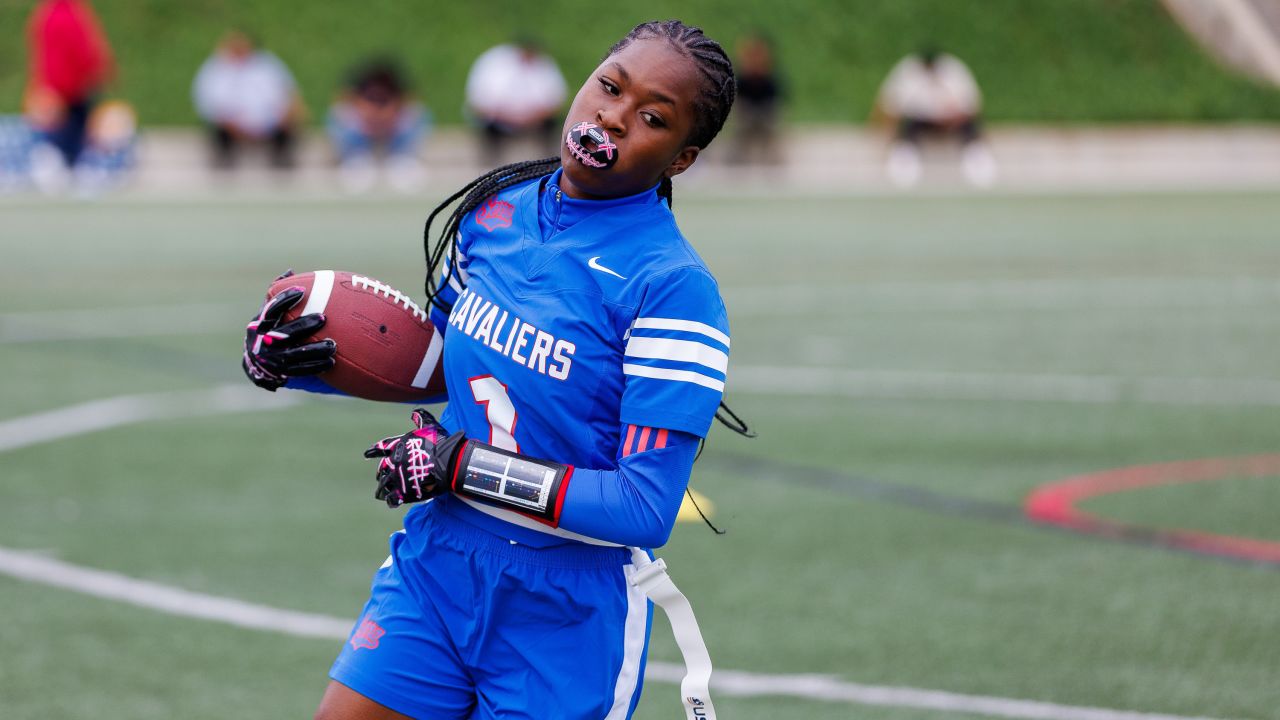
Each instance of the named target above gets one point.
<point>414,466</point>
<point>273,352</point>
<point>424,463</point>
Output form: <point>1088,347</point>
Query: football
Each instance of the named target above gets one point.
<point>387,347</point>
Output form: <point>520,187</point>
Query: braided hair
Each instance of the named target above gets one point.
<point>717,89</point>
<point>711,108</point>
<point>473,194</point>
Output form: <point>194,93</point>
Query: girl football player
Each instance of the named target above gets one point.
<point>585,351</point>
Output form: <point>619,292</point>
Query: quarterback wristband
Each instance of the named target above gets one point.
<point>511,481</point>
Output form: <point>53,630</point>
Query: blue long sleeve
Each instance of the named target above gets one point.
<point>312,384</point>
<point>637,503</point>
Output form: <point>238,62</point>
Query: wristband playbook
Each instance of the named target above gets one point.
<point>512,481</point>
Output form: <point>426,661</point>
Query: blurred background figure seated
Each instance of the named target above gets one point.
<point>515,90</point>
<point>931,93</point>
<point>16,141</point>
<point>755,110</point>
<point>376,121</point>
<point>69,63</point>
<point>110,154</point>
<point>246,95</point>
<point>106,158</point>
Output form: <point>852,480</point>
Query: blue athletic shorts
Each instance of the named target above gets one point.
<point>461,623</point>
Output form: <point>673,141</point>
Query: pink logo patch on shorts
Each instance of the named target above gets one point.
<point>367,636</point>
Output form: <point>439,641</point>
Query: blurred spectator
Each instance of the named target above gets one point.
<point>515,90</point>
<point>756,108</point>
<point>246,95</point>
<point>933,93</point>
<point>70,61</point>
<point>109,153</point>
<point>106,157</point>
<point>377,117</point>
<point>16,141</point>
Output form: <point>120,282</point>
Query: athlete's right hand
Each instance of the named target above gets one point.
<point>414,466</point>
<point>273,352</point>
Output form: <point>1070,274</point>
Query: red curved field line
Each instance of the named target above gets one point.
<point>1055,503</point>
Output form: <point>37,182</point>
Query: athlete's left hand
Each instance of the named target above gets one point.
<point>415,466</point>
<point>276,351</point>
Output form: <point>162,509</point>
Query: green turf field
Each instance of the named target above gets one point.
<point>914,367</point>
<point>1235,506</point>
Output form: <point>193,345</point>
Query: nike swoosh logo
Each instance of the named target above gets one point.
<point>597,266</point>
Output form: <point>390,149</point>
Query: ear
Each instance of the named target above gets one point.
<point>682,162</point>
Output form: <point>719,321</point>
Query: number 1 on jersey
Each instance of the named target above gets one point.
<point>498,411</point>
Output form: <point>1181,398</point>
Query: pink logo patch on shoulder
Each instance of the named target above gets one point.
<point>367,636</point>
<point>495,214</point>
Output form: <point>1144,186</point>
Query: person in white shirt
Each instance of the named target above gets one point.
<point>247,95</point>
<point>515,90</point>
<point>933,93</point>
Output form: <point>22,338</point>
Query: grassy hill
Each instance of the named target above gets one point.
<point>1064,61</point>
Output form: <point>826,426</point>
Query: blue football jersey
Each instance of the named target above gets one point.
<point>571,320</point>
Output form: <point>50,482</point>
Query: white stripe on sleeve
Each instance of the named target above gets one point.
<point>457,280</point>
<point>679,351</point>
<point>667,374</point>
<point>656,323</point>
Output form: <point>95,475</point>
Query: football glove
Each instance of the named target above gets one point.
<point>424,463</point>
<point>414,466</point>
<point>273,352</point>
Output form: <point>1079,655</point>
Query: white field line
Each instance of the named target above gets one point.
<point>35,568</point>
<point>926,385</point>
<point>1162,179</point>
<point>1066,294</point>
<point>832,689</point>
<point>166,599</point>
<point>140,321</point>
<point>103,414</point>
<point>736,683</point>
<point>128,409</point>
<point>1116,293</point>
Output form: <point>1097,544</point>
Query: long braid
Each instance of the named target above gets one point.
<point>711,109</point>
<point>473,194</point>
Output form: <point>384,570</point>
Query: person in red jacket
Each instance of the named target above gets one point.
<point>70,61</point>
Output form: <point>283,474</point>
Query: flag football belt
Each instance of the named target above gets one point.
<point>650,577</point>
<point>529,493</point>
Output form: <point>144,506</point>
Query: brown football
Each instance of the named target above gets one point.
<point>387,347</point>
